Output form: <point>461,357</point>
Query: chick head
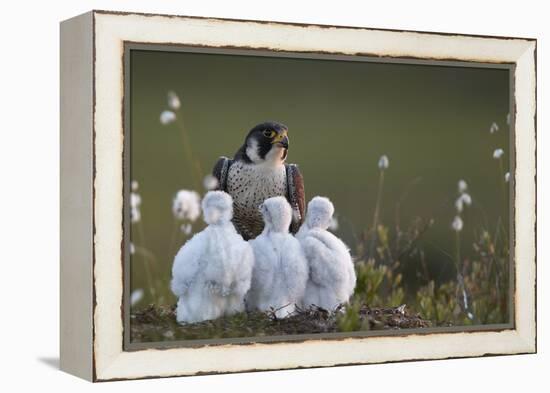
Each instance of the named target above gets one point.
<point>217,207</point>
<point>277,214</point>
<point>319,212</point>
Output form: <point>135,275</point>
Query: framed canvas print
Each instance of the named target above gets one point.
<point>245,195</point>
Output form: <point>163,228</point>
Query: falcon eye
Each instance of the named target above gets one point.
<point>269,133</point>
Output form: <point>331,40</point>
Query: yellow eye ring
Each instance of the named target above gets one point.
<point>269,133</point>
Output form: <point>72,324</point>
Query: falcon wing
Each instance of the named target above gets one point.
<point>296,196</point>
<point>220,171</point>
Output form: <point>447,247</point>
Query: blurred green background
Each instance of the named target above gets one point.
<point>431,121</point>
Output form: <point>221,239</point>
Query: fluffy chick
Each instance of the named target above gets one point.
<point>280,270</point>
<point>212,271</point>
<point>331,273</point>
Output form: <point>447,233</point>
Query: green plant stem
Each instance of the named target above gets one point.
<point>148,261</point>
<point>376,212</point>
<point>173,239</point>
<point>194,165</point>
<point>504,198</point>
<point>457,255</point>
<point>502,181</point>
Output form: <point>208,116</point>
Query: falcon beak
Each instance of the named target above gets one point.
<point>281,139</point>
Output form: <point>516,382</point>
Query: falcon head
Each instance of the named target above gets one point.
<point>265,143</point>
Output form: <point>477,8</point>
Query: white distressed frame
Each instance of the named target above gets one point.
<point>111,30</point>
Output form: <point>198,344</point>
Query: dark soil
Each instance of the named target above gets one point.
<point>154,323</point>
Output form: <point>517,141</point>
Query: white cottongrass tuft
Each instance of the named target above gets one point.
<point>186,205</point>
<point>493,128</point>
<point>210,182</point>
<point>135,203</point>
<point>135,200</point>
<point>134,185</point>
<point>136,296</point>
<point>459,205</point>
<point>462,186</point>
<point>508,119</point>
<point>173,101</point>
<point>498,153</point>
<point>167,117</point>
<point>186,229</point>
<point>457,224</point>
<point>383,162</point>
<point>135,216</point>
<point>466,198</point>
<point>507,177</point>
<point>132,249</point>
<point>463,199</point>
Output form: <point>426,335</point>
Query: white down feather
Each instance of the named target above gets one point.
<point>331,271</point>
<point>212,271</point>
<point>280,270</point>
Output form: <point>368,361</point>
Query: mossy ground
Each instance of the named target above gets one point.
<point>154,323</point>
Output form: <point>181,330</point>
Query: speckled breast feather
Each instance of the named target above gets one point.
<point>250,185</point>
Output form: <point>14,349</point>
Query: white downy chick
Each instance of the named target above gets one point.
<point>331,272</point>
<point>212,271</point>
<point>280,270</point>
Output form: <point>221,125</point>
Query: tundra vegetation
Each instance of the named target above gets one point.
<point>388,294</point>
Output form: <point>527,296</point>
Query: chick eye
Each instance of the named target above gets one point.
<point>269,133</point>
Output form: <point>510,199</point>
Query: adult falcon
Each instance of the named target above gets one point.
<point>257,172</point>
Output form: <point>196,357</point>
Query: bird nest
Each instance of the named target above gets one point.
<point>158,323</point>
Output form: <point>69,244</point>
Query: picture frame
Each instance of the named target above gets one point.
<point>94,149</point>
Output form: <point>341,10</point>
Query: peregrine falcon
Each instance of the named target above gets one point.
<point>257,172</point>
